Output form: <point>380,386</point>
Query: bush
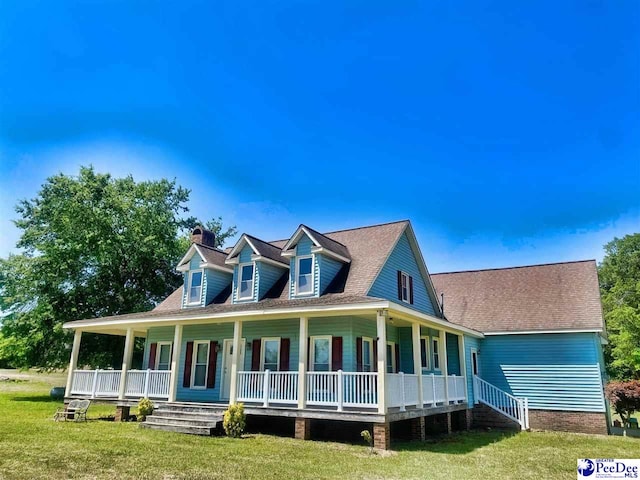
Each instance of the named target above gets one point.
<point>366,435</point>
<point>145,407</point>
<point>234,420</point>
<point>624,398</point>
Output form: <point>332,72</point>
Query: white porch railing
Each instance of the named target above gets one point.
<point>517,409</point>
<point>403,390</point>
<point>106,383</point>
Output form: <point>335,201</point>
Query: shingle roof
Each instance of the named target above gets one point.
<point>329,243</point>
<point>267,250</point>
<point>541,297</point>
<point>213,255</point>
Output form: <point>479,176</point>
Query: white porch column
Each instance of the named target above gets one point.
<point>443,364</point>
<point>463,365</point>
<point>302,362</point>
<point>417,359</point>
<point>233,384</point>
<point>381,322</point>
<point>175,361</point>
<point>73,363</point>
<point>126,362</point>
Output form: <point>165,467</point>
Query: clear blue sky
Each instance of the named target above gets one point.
<point>508,132</point>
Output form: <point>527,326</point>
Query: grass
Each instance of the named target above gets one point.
<point>33,446</point>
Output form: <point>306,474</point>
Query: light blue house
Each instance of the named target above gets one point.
<point>347,327</point>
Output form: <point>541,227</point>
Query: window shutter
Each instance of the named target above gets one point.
<point>359,354</point>
<point>399,285</point>
<point>255,355</point>
<point>188,357</point>
<point>411,290</point>
<point>308,353</point>
<point>397,358</point>
<point>374,367</point>
<point>336,353</point>
<point>152,355</point>
<point>213,360</point>
<point>285,347</point>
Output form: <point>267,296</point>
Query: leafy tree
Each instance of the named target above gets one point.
<point>92,246</point>
<point>624,398</point>
<point>619,275</point>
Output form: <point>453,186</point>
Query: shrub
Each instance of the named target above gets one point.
<point>624,398</point>
<point>366,435</point>
<point>145,407</point>
<point>234,420</point>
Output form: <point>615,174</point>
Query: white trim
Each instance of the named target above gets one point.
<point>437,350</point>
<point>296,237</point>
<point>263,351</point>
<point>441,323</point>
<point>212,266</point>
<point>427,353</point>
<point>270,261</point>
<point>239,281</point>
<point>190,279</point>
<point>532,332</point>
<point>394,367</point>
<point>474,352</point>
<point>158,348</point>
<point>372,366</point>
<point>312,351</point>
<point>238,247</point>
<point>403,276</point>
<point>194,356</point>
<point>297,276</point>
<point>183,265</point>
<point>329,253</point>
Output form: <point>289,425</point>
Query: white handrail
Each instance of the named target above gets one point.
<point>517,409</point>
<point>106,383</point>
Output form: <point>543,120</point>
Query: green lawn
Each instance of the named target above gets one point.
<point>33,446</point>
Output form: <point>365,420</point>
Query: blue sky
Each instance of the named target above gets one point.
<point>508,132</point>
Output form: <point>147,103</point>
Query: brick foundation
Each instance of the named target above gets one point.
<point>580,422</point>
<point>486,417</point>
<point>381,436</point>
<point>122,413</point>
<point>461,420</point>
<point>438,424</point>
<point>418,429</point>
<point>303,428</point>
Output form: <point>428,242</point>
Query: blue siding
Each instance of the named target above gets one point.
<point>216,282</point>
<point>154,335</point>
<point>555,371</point>
<point>194,264</point>
<point>406,349</point>
<point>469,344</point>
<point>266,276</point>
<point>386,285</point>
<point>304,248</point>
<point>328,269</point>
<point>453,354</point>
<point>244,257</point>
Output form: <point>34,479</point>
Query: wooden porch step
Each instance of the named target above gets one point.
<point>191,430</point>
<point>184,421</point>
<point>194,409</point>
<point>188,415</point>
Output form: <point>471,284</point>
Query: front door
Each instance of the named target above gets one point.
<point>227,358</point>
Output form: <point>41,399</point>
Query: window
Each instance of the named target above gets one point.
<point>436,353</point>
<point>200,364</point>
<point>304,278</point>
<point>195,287</point>
<point>474,361</point>
<point>367,354</point>
<point>245,287</point>
<point>163,356</point>
<point>391,357</point>
<point>270,353</point>
<point>321,354</point>
<point>404,287</point>
<point>424,352</point>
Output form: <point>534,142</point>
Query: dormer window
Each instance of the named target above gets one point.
<point>245,282</point>
<point>195,287</point>
<point>304,275</point>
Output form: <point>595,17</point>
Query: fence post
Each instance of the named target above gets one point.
<point>404,400</point>
<point>455,388</point>
<point>340,391</point>
<point>95,383</point>
<point>146,383</point>
<point>265,389</point>
<point>526,412</point>
<point>433,389</point>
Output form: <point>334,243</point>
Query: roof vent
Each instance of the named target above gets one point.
<point>203,236</point>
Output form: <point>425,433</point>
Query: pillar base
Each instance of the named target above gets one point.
<point>303,428</point>
<point>381,436</point>
<point>122,413</point>
<point>418,429</point>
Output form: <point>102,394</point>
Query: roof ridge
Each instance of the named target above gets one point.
<point>347,230</point>
<point>323,234</point>
<point>216,249</point>
<point>515,267</point>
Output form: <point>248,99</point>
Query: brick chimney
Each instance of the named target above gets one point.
<point>203,236</point>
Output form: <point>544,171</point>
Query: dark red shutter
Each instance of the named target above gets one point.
<point>411,290</point>
<point>255,355</point>
<point>188,357</point>
<point>399,285</point>
<point>213,361</point>
<point>397,358</point>
<point>374,367</point>
<point>336,353</point>
<point>152,355</point>
<point>359,354</point>
<point>285,348</point>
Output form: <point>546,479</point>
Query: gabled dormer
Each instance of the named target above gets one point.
<point>257,266</point>
<point>315,260</point>
<point>205,273</point>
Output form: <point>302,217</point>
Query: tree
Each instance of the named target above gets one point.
<point>93,246</point>
<point>624,398</point>
<point>619,275</point>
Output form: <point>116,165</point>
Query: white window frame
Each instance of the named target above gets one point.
<point>253,279</point>
<point>297,273</point>
<point>436,353</point>
<point>371,347</point>
<point>263,351</point>
<point>474,353</point>
<point>394,367</point>
<point>404,277</point>
<point>159,349</point>
<point>194,357</point>
<point>199,301</point>
<point>313,351</point>
<point>427,355</point>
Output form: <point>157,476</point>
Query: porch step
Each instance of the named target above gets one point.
<point>183,421</point>
<point>163,412</point>
<point>192,419</point>
<point>192,408</point>
<point>191,430</point>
